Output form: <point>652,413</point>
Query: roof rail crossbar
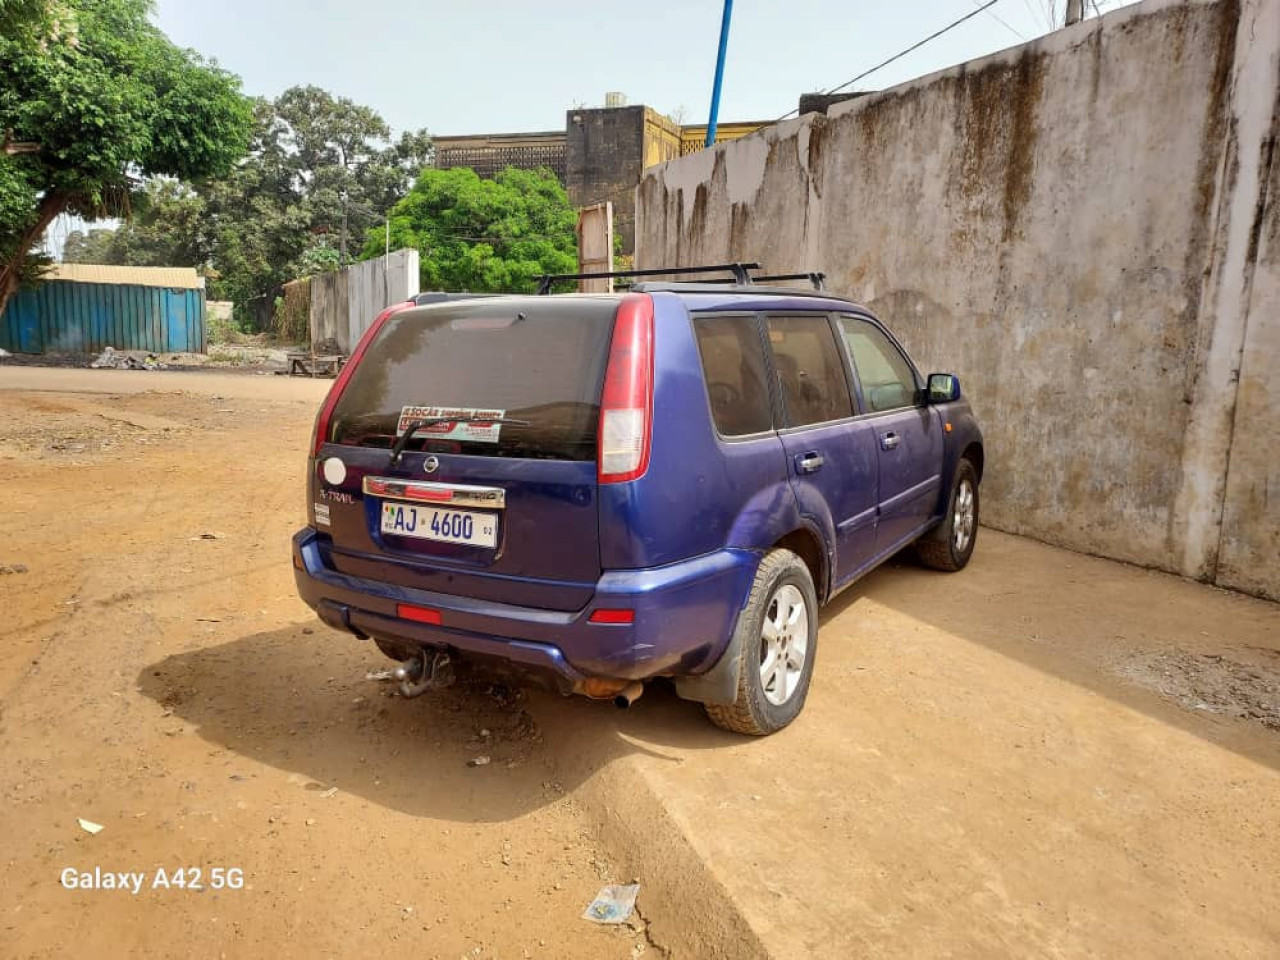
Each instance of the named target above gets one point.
<point>739,271</point>
<point>817,278</point>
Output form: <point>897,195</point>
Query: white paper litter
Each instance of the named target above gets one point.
<point>613,904</point>
<point>88,826</point>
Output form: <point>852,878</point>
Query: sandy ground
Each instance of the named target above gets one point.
<point>1046,755</point>
<point>174,690</point>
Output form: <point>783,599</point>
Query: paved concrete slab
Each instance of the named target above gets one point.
<point>986,767</point>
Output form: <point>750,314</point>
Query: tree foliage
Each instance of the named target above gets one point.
<point>314,162</point>
<point>168,227</point>
<point>485,236</point>
<point>93,95</point>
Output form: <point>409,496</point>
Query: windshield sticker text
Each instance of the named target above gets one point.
<point>478,430</point>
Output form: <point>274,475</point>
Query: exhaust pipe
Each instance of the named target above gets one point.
<point>628,695</point>
<point>417,676</point>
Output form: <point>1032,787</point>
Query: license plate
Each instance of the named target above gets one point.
<point>433,523</point>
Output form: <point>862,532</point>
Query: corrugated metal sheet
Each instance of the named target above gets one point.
<point>179,278</point>
<point>60,316</point>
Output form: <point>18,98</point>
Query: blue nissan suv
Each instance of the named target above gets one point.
<point>601,489</point>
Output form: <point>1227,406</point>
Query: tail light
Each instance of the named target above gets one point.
<point>321,430</point>
<point>626,403</point>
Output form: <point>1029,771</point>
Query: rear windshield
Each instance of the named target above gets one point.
<point>542,363</point>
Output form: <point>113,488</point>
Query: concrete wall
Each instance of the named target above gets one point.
<point>604,160</point>
<point>1081,228</point>
<point>345,302</point>
<point>1251,509</point>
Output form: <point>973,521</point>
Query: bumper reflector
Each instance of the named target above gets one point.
<point>421,614</point>
<point>612,616</point>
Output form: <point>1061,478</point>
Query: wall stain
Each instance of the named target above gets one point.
<point>1029,85</point>
<point>996,125</point>
<point>740,232</point>
<point>1095,66</point>
<point>1260,210</point>
<point>1217,125</point>
<point>817,141</point>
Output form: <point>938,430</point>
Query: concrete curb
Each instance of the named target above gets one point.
<point>689,911</point>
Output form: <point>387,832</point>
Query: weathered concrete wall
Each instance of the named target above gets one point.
<point>1072,226</point>
<point>1250,543</point>
<point>346,301</point>
<point>604,158</point>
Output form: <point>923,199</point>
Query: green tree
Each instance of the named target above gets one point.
<point>486,236</point>
<point>168,227</point>
<point>93,95</point>
<point>89,246</point>
<point>312,158</point>
<point>346,167</point>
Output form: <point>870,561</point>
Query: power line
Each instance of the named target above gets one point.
<point>1036,13</point>
<point>1005,23</point>
<point>899,56</point>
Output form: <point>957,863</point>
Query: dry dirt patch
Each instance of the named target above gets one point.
<point>1212,682</point>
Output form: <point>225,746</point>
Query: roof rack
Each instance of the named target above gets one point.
<point>816,278</point>
<point>652,286</point>
<point>739,271</point>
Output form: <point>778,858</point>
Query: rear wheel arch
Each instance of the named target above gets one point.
<point>804,543</point>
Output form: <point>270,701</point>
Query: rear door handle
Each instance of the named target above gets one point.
<point>889,440</point>
<point>810,462</point>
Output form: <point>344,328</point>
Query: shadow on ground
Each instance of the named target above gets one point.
<point>298,699</point>
<point>1200,658</point>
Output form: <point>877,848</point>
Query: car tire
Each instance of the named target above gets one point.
<point>950,545</point>
<point>771,692</point>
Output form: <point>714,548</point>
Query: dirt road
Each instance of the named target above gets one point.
<point>173,689</point>
<point>1047,755</point>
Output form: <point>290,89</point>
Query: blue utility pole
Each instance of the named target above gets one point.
<point>715,89</point>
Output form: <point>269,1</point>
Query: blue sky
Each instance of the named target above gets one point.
<point>505,66</point>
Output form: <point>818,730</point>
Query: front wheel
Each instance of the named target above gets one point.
<point>950,545</point>
<point>777,633</point>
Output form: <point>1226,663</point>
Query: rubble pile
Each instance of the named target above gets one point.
<point>114,359</point>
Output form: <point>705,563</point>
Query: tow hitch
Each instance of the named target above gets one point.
<point>419,674</point>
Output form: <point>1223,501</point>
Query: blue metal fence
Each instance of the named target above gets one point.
<point>61,316</point>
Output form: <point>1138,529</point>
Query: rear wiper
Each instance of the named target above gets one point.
<point>398,448</point>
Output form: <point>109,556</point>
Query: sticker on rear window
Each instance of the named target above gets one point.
<point>480,429</point>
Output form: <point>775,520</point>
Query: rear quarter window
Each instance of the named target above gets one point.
<point>541,362</point>
<point>734,368</point>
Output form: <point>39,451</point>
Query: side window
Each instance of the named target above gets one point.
<point>737,383</point>
<point>888,382</point>
<point>810,373</point>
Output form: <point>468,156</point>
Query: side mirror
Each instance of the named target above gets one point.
<point>943,388</point>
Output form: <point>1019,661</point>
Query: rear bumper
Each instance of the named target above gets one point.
<point>684,616</point>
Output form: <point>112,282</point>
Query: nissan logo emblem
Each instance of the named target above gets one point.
<point>431,464</point>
